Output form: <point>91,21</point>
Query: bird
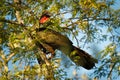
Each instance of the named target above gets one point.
<point>52,40</point>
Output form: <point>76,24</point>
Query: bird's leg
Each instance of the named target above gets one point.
<point>49,49</point>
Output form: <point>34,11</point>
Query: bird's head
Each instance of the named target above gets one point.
<point>45,17</point>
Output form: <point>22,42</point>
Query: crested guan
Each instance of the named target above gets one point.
<point>52,40</point>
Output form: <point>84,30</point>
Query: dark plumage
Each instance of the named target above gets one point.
<point>52,40</point>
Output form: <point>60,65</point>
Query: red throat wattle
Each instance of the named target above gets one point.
<point>43,19</point>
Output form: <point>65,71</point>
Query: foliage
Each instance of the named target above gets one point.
<point>72,17</point>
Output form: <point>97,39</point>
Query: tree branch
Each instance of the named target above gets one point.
<point>10,56</point>
<point>112,67</point>
<point>76,39</point>
<point>11,22</point>
<point>5,64</point>
<point>43,56</point>
<point>3,57</point>
<point>92,18</point>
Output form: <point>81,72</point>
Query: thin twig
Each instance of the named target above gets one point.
<point>109,75</point>
<point>10,56</point>
<point>76,39</point>
<point>84,43</point>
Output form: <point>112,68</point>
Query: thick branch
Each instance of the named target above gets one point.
<point>4,62</point>
<point>3,57</point>
<point>11,22</point>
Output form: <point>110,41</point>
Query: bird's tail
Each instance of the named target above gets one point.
<point>82,58</point>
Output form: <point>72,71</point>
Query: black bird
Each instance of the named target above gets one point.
<point>52,40</point>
